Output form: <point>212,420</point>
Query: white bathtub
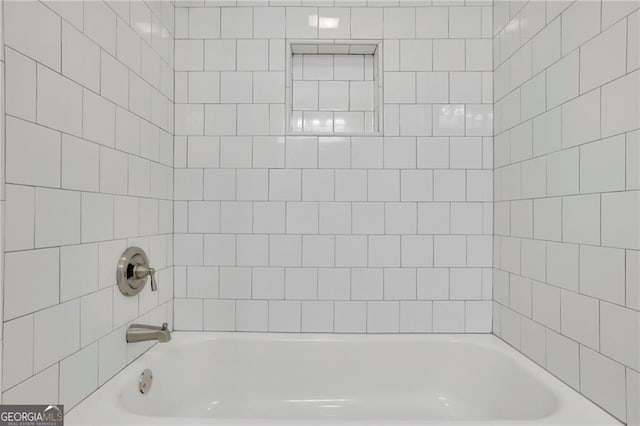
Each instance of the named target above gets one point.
<point>286,379</point>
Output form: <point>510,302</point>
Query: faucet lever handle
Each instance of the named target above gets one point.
<point>154,284</point>
<point>141,271</point>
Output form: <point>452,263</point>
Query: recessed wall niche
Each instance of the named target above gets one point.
<point>334,88</point>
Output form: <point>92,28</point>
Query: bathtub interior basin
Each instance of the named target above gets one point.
<point>244,378</point>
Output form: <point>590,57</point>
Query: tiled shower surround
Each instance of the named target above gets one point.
<point>273,231</point>
<point>89,171</point>
<point>277,232</point>
<point>566,283</point>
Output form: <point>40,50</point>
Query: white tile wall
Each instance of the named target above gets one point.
<point>89,116</point>
<point>334,234</point>
<point>391,233</point>
<point>566,115</point>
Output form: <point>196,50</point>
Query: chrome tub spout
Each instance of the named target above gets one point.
<point>143,332</point>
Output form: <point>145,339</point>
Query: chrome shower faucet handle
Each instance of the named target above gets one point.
<point>133,270</point>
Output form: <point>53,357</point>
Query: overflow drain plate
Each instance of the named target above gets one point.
<point>145,381</point>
